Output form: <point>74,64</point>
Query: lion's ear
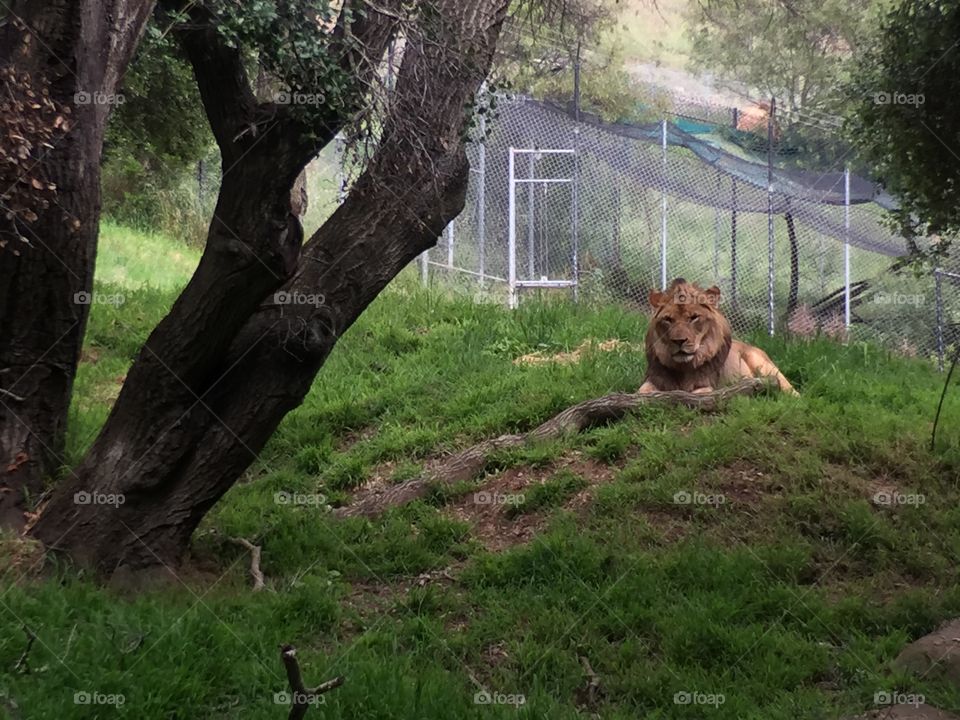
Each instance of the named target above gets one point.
<point>656,298</point>
<point>713,295</point>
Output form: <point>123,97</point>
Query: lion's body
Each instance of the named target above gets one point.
<point>689,344</point>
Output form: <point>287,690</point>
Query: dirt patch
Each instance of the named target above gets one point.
<point>487,509</point>
<point>568,358</point>
<point>372,599</point>
<point>348,440</point>
<point>743,485</point>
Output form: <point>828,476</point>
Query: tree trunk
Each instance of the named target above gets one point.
<point>170,473</point>
<point>79,50</point>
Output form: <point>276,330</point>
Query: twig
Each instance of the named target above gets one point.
<point>23,664</point>
<point>302,697</point>
<point>73,633</point>
<point>593,682</point>
<point>136,645</point>
<point>255,571</point>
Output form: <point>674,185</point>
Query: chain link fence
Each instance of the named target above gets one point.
<point>562,203</point>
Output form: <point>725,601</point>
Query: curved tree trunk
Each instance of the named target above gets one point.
<point>171,472</point>
<point>79,49</point>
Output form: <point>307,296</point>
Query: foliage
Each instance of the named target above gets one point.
<point>289,42</point>
<point>540,51</point>
<point>905,120</point>
<point>155,139</point>
<point>794,51</point>
<point>605,86</point>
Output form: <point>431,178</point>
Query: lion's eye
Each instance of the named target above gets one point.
<point>694,317</point>
<point>666,320</point>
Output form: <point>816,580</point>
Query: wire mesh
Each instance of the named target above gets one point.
<point>633,196</point>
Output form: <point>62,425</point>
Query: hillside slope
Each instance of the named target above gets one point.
<point>766,561</point>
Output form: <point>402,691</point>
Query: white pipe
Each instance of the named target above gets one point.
<point>846,246</point>
<point>663,209</point>
<point>512,236</point>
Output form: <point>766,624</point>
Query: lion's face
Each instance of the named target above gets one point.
<point>687,329</point>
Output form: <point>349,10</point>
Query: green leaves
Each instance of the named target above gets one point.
<point>905,120</point>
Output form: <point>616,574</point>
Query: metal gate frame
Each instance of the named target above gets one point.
<point>516,284</point>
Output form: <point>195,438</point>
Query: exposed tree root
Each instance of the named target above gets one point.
<point>468,463</point>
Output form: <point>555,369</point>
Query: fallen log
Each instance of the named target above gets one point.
<point>467,464</point>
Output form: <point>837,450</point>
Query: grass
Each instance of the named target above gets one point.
<point>741,554</point>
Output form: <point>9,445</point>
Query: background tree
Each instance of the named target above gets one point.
<point>905,120</point>
<point>60,63</point>
<point>156,138</point>
<point>796,51</point>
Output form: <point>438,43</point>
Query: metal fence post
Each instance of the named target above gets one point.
<point>846,247</point>
<point>575,189</point>
<point>425,267</point>
<point>512,234</point>
<point>770,238</point>
<point>482,197</point>
<point>663,207</point>
<point>733,243</point>
<point>450,243</point>
<point>716,232</point>
<point>938,292</point>
<point>531,214</point>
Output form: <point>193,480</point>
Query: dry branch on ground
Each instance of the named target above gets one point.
<point>466,464</point>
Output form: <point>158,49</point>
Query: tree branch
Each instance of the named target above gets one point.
<point>255,572</point>
<point>301,696</point>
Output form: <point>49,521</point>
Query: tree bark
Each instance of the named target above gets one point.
<point>79,49</point>
<point>173,471</point>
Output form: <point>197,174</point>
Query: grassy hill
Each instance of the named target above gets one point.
<point>775,555</point>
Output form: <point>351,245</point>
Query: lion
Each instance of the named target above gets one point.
<point>690,345</point>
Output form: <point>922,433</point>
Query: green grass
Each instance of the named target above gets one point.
<point>789,593</point>
<point>133,259</point>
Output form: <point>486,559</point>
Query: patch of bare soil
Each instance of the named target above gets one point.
<point>348,440</point>
<point>743,485</point>
<point>487,509</point>
<point>373,599</point>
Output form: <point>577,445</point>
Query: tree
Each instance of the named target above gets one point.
<point>157,136</point>
<point>794,50</point>
<point>243,343</point>
<point>60,64</point>
<point>905,120</point>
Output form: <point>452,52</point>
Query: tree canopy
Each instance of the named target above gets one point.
<point>905,120</point>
